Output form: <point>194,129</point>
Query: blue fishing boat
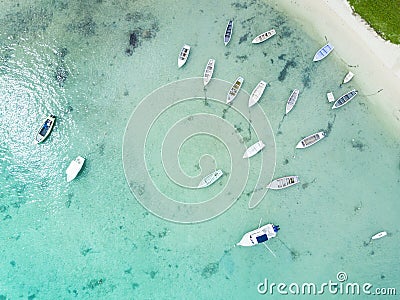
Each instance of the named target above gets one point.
<point>45,129</point>
<point>228,32</point>
<point>323,52</point>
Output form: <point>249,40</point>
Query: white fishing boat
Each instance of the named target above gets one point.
<point>74,167</point>
<point>45,130</point>
<point>228,32</point>
<point>210,179</point>
<point>264,36</point>
<point>284,182</point>
<point>234,90</point>
<point>257,93</point>
<point>344,99</point>
<point>379,235</point>
<point>209,70</point>
<point>330,97</point>
<point>323,52</point>
<point>183,55</point>
<point>292,100</point>
<point>311,140</point>
<point>254,149</point>
<point>349,76</point>
<point>259,235</point>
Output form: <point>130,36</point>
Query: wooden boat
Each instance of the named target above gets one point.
<point>257,93</point>
<point>45,130</point>
<point>311,140</point>
<point>292,100</point>
<point>379,235</point>
<point>254,149</point>
<point>323,52</point>
<point>349,76</point>
<point>228,32</point>
<point>264,36</point>
<point>259,235</point>
<point>234,90</point>
<point>209,70</point>
<point>344,99</point>
<point>210,179</point>
<point>74,167</point>
<point>183,55</point>
<point>282,183</point>
<point>330,97</point>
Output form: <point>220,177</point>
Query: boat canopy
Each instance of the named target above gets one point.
<point>262,238</point>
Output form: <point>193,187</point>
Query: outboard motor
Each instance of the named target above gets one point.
<point>276,228</point>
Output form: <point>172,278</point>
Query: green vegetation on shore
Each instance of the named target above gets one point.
<point>382,15</point>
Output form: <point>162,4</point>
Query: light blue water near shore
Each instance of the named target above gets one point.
<point>90,239</point>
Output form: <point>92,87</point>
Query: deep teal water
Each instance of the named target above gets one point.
<point>91,239</point>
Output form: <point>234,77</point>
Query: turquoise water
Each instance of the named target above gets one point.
<point>91,239</point>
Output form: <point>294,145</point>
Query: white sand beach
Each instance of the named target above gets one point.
<point>377,61</point>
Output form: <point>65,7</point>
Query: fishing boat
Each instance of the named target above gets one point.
<point>234,90</point>
<point>74,167</point>
<point>379,235</point>
<point>45,130</point>
<point>344,99</point>
<point>330,97</point>
<point>349,76</point>
<point>209,70</point>
<point>210,179</point>
<point>323,52</point>
<point>254,149</point>
<point>311,140</point>
<point>183,55</point>
<point>257,93</point>
<point>264,36</point>
<point>284,182</point>
<point>259,235</point>
<point>292,100</point>
<point>228,32</point>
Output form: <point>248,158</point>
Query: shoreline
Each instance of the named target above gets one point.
<point>368,51</point>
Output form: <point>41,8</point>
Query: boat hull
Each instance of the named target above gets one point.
<point>257,93</point>
<point>208,72</point>
<point>183,55</point>
<point>310,140</point>
<point>323,52</point>
<point>234,89</point>
<point>292,100</point>
<point>210,179</point>
<point>346,98</point>
<point>228,32</point>
<point>379,235</point>
<point>349,76</point>
<point>74,168</point>
<point>259,235</point>
<point>330,97</point>
<point>254,149</point>
<point>283,182</point>
<point>264,36</point>
<point>45,130</point>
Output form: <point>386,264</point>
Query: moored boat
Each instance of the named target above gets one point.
<point>45,130</point>
<point>348,77</point>
<point>209,70</point>
<point>379,235</point>
<point>330,97</point>
<point>183,55</point>
<point>292,100</point>
<point>228,32</point>
<point>311,140</point>
<point>74,167</point>
<point>323,52</point>
<point>283,182</point>
<point>234,90</point>
<point>259,235</point>
<point>344,99</point>
<point>257,93</point>
<point>210,179</point>
<point>254,149</point>
<point>264,36</point>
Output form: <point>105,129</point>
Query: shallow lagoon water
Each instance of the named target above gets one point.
<point>92,239</point>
